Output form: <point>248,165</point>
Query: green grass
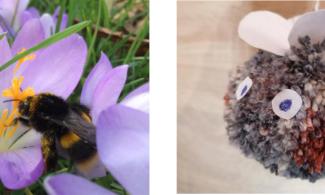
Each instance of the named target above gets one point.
<point>55,38</point>
<point>126,42</point>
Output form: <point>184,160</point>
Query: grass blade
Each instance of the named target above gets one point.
<point>59,19</point>
<point>93,39</point>
<point>137,43</point>
<point>56,37</point>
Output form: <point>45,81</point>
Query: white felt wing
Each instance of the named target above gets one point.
<point>311,24</point>
<point>266,30</point>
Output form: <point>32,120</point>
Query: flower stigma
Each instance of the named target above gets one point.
<point>8,125</point>
<point>24,59</point>
<point>15,91</point>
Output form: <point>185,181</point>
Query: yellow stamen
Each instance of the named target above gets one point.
<point>2,132</point>
<point>24,59</point>
<point>15,91</point>
<point>7,123</point>
<point>4,114</point>
<point>2,123</point>
<point>11,132</point>
<point>12,117</point>
<point>7,126</point>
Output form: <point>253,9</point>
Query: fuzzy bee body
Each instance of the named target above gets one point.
<point>68,126</point>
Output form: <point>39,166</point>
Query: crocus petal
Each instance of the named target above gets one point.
<point>21,168</point>
<point>5,75</point>
<point>48,24</point>
<point>265,30</point>
<point>138,99</point>
<point>31,33</point>
<point>108,90</point>
<point>64,20</point>
<point>311,24</point>
<point>34,12</point>
<point>5,51</point>
<point>8,9</point>
<point>26,138</point>
<point>67,184</point>
<point>25,16</point>
<point>123,146</point>
<point>28,14</point>
<point>96,74</point>
<point>58,68</point>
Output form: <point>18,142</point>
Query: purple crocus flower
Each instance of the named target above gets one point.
<point>103,86</point>
<point>11,12</point>
<point>122,133</point>
<point>48,21</point>
<point>13,15</point>
<point>55,69</point>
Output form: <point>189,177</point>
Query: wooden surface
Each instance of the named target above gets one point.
<point>208,48</point>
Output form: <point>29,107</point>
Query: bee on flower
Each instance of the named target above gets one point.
<point>39,72</point>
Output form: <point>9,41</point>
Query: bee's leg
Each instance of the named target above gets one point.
<point>24,121</point>
<point>49,152</point>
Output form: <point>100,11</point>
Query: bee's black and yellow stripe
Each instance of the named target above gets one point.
<point>81,153</point>
<point>77,149</point>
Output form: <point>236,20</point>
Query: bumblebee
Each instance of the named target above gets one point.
<point>64,126</point>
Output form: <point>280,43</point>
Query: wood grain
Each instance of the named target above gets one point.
<point>208,48</point>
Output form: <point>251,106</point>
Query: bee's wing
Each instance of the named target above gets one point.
<point>85,130</point>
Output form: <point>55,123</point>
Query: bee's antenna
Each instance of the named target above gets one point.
<point>11,100</point>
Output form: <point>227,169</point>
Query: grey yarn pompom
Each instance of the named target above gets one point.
<point>291,148</point>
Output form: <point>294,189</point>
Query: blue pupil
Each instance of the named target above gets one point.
<point>243,90</point>
<point>285,105</point>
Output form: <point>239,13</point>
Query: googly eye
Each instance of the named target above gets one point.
<point>286,104</point>
<point>243,88</point>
